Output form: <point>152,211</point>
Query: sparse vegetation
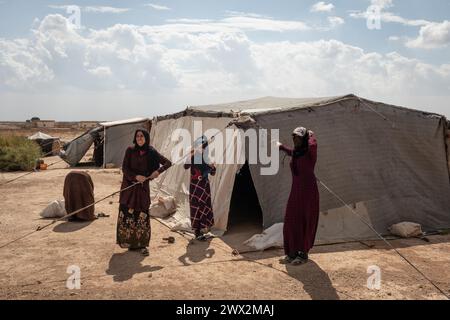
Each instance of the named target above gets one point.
<point>18,153</point>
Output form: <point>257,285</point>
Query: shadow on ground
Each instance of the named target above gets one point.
<point>71,226</point>
<point>197,251</point>
<point>123,266</point>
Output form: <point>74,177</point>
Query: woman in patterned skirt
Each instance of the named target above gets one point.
<point>141,163</point>
<point>202,217</point>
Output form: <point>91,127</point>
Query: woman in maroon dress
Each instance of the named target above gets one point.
<point>202,217</point>
<point>141,163</point>
<point>302,212</point>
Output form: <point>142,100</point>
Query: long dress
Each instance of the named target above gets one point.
<point>201,211</point>
<point>302,211</point>
<point>133,226</point>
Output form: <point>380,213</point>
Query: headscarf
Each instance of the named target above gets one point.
<point>201,160</point>
<point>146,145</point>
<point>303,149</point>
<point>148,151</point>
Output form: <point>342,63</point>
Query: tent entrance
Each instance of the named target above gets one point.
<point>245,216</point>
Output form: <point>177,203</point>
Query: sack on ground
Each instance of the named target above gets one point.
<point>163,207</point>
<point>271,237</point>
<point>406,229</point>
<point>55,209</point>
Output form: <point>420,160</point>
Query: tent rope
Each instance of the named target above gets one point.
<point>382,238</point>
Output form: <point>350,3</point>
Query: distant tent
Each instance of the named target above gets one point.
<point>110,140</point>
<point>49,145</point>
<point>387,162</point>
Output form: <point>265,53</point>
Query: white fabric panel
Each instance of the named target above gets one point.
<point>175,181</point>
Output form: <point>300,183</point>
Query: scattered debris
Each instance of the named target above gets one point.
<point>102,215</point>
<point>170,239</point>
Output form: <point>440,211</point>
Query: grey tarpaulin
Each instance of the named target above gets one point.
<point>389,162</point>
<point>118,135</point>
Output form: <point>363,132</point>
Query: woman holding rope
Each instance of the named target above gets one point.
<point>141,163</point>
<point>202,217</point>
<point>302,211</point>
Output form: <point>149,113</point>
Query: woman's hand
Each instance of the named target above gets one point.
<point>154,175</point>
<point>141,179</point>
<point>277,143</point>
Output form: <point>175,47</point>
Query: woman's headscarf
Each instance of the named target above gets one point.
<point>146,145</point>
<point>303,149</point>
<point>201,160</point>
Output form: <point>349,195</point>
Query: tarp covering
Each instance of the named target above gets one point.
<point>41,136</point>
<point>118,137</point>
<point>175,181</point>
<point>75,150</point>
<point>389,163</point>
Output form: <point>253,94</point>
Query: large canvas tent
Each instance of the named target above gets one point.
<point>389,163</point>
<point>114,138</point>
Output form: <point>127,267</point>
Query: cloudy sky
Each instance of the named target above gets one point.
<point>121,59</point>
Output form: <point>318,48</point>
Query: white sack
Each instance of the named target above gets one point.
<point>55,209</point>
<point>163,207</point>
<point>406,229</point>
<point>271,237</point>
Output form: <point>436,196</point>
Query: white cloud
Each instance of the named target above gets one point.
<point>389,17</point>
<point>335,21</point>
<point>322,7</point>
<point>431,36</point>
<point>157,7</point>
<point>93,9</point>
<point>188,64</point>
<point>383,4</point>
<point>99,9</point>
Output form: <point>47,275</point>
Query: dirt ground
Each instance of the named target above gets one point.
<point>36,267</point>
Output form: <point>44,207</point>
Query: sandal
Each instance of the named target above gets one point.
<point>145,252</point>
<point>286,260</point>
<point>298,261</point>
<point>201,238</point>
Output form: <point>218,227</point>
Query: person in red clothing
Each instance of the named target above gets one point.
<point>302,211</point>
<point>140,164</point>
<point>201,209</point>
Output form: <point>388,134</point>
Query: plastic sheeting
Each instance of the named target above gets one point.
<point>118,137</point>
<point>175,181</point>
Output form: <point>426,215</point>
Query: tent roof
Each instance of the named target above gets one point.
<point>42,136</point>
<point>273,105</point>
<point>120,122</point>
<point>266,104</point>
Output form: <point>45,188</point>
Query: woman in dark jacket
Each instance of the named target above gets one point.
<point>141,163</point>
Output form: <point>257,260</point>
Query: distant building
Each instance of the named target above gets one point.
<point>43,123</point>
<point>88,124</point>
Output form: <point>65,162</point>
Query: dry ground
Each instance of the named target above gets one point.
<point>36,267</point>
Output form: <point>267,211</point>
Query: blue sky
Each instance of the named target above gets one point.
<point>141,58</point>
